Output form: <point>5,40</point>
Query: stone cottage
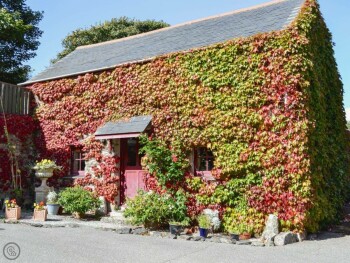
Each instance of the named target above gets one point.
<point>253,96</point>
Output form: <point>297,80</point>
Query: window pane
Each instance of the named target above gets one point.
<point>205,159</point>
<point>78,163</point>
<point>210,164</point>
<point>75,166</point>
<point>132,152</point>
<point>82,165</point>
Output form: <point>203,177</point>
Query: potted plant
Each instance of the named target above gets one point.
<point>13,211</point>
<point>204,225</point>
<point>245,231</point>
<point>234,233</point>
<point>45,166</point>
<point>52,203</point>
<point>40,212</point>
<point>176,227</point>
<point>44,170</point>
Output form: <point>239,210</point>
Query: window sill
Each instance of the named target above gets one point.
<point>73,176</point>
<point>206,175</point>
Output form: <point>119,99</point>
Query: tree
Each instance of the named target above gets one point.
<point>109,30</point>
<point>18,39</point>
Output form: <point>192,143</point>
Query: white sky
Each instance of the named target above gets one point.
<point>347,113</point>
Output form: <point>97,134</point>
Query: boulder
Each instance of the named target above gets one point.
<point>244,242</point>
<point>139,231</point>
<point>269,243</point>
<point>285,238</point>
<point>271,228</point>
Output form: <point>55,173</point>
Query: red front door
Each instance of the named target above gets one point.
<point>132,170</point>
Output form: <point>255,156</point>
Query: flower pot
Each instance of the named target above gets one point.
<point>40,215</point>
<point>52,209</point>
<point>203,232</point>
<point>234,236</point>
<point>44,173</point>
<point>245,236</point>
<point>175,229</point>
<point>13,213</point>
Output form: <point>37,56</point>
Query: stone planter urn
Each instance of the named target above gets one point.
<point>42,191</point>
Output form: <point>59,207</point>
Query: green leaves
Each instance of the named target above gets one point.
<point>18,39</point>
<point>116,28</point>
<point>167,165</point>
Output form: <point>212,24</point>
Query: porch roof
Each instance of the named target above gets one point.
<point>132,127</point>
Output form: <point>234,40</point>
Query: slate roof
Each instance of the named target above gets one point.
<point>137,124</point>
<point>272,16</point>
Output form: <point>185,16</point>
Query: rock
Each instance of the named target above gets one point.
<point>124,230</point>
<point>243,242</point>
<point>271,228</point>
<point>155,233</point>
<point>214,239</point>
<point>269,243</point>
<point>285,238</point>
<point>11,221</point>
<point>225,240</point>
<point>197,238</point>
<point>36,225</point>
<point>258,244</point>
<point>312,237</point>
<point>185,237</point>
<point>301,236</point>
<point>139,231</point>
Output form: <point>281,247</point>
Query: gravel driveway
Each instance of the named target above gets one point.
<point>90,245</point>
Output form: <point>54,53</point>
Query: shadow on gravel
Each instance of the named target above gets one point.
<point>324,236</point>
<point>337,231</point>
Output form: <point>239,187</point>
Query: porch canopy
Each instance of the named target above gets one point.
<point>129,128</point>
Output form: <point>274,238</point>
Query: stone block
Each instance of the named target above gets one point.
<point>285,238</point>
<point>271,228</point>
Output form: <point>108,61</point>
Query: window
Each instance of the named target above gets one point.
<point>204,159</point>
<point>132,156</point>
<point>77,162</point>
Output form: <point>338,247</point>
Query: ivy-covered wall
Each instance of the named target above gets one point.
<point>21,129</point>
<point>268,106</point>
<point>329,163</point>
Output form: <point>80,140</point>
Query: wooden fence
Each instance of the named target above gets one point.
<point>15,99</point>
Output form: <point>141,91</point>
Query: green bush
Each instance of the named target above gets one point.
<point>154,210</point>
<point>78,200</point>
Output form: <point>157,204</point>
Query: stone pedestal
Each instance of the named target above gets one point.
<point>42,191</point>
